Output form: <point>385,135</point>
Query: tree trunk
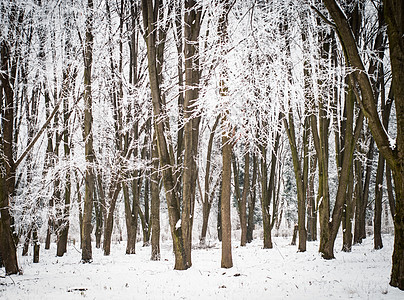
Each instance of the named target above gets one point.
<point>98,220</point>
<point>386,109</point>
<point>311,202</point>
<point>266,199</point>
<point>227,261</point>
<point>191,129</point>
<point>251,202</point>
<point>86,255</point>
<point>155,203</point>
<point>362,194</point>
<point>48,164</point>
<point>1,258</point>
<point>26,243</point>
<point>80,210</point>
<point>219,213</point>
<point>347,215</point>
<point>64,223</point>
<point>321,145</point>
<point>7,176</point>
<point>146,222</point>
<point>392,201</point>
<point>63,229</point>
<point>109,222</point>
<point>131,222</point>
<point>377,222</point>
<point>243,204</point>
<point>294,237</point>
<point>207,198</point>
<point>300,177</point>
<point>37,245</point>
<point>394,14</point>
<point>206,206</point>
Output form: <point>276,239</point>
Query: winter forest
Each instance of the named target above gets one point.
<point>241,141</point>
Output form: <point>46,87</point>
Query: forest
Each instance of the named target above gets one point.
<point>194,124</point>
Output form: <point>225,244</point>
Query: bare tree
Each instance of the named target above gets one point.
<point>88,138</point>
<point>227,260</point>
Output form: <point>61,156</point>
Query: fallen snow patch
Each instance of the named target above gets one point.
<point>258,273</point>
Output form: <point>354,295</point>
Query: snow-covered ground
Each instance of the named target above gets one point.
<point>278,273</point>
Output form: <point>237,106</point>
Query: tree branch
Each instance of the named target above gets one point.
<point>323,17</point>
<point>38,135</point>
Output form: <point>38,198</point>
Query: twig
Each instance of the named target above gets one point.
<point>276,246</point>
<point>323,17</point>
<point>76,249</point>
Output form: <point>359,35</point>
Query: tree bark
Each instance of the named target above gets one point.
<point>294,237</point>
<point>300,177</point>
<point>155,203</point>
<point>7,177</point>
<point>347,215</point>
<point>64,223</point>
<point>86,255</point>
<point>207,197</point>
<point>251,202</point>
<point>219,212</point>
<point>192,24</point>
<point>109,222</point>
<point>243,204</point>
<point>227,260</point>
<point>362,194</point>
<point>131,222</point>
<point>377,221</point>
<point>311,201</point>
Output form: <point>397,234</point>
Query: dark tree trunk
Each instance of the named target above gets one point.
<point>1,258</point>
<point>7,176</point>
<point>377,222</point>
<point>192,25</point>
<point>131,222</point>
<point>26,243</point>
<point>207,198</point>
<point>227,261</point>
<point>98,221</point>
<point>37,245</point>
<point>146,223</point>
<point>64,223</point>
<point>268,191</point>
<point>295,231</point>
<point>219,214</point>
<point>86,254</point>
<point>251,202</point>
<point>109,222</point>
<point>386,109</point>
<point>243,204</point>
<point>392,202</point>
<point>347,216</point>
<point>155,203</point>
<point>311,202</point>
<point>362,194</point>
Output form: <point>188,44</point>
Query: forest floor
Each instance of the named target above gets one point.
<point>278,273</point>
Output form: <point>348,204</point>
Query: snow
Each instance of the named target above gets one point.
<point>258,273</point>
<point>178,224</point>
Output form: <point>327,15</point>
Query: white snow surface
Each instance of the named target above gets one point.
<point>278,273</point>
